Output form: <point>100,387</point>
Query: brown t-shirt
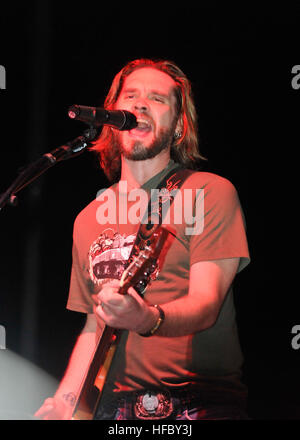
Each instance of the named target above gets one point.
<point>101,250</point>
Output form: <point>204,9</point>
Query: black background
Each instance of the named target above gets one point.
<point>239,62</point>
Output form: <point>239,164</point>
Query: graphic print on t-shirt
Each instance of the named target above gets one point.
<point>108,255</point>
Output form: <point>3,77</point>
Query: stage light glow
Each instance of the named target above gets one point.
<point>23,387</point>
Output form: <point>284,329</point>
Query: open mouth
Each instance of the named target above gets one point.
<point>143,126</point>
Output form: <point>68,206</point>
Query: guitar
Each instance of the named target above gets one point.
<point>142,265</point>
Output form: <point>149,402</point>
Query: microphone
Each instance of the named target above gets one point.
<point>120,119</point>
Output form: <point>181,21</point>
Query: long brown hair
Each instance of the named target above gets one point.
<point>184,149</point>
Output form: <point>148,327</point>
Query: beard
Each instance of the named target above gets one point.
<point>141,152</point>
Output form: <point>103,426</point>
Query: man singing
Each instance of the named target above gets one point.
<point>179,357</point>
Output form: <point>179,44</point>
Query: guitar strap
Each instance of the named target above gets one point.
<point>154,215</point>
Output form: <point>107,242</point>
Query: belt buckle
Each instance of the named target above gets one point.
<point>153,405</point>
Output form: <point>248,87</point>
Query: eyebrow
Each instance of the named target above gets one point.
<point>154,92</point>
<point>157,92</point>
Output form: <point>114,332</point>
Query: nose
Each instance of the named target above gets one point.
<point>141,105</point>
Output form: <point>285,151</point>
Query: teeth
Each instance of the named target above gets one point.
<point>143,123</point>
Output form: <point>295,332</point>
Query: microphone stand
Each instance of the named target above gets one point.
<point>72,149</point>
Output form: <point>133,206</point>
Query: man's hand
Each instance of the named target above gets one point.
<point>55,408</point>
<point>128,311</point>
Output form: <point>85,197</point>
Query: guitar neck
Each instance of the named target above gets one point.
<point>95,379</point>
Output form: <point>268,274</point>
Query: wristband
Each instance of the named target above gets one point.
<point>158,323</point>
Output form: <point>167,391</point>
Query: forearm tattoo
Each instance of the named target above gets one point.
<point>70,398</point>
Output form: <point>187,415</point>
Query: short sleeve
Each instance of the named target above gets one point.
<point>223,234</point>
<point>79,299</point>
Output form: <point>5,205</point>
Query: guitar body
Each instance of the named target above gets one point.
<point>141,265</point>
<point>95,379</point>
